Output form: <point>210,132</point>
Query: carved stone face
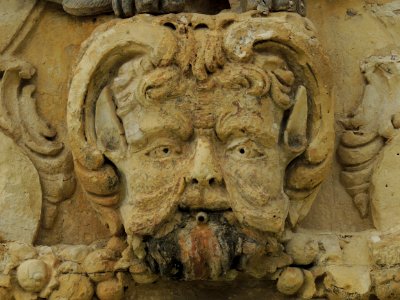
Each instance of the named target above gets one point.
<point>207,150</point>
<point>198,154</point>
<point>201,140</point>
<point>200,146</point>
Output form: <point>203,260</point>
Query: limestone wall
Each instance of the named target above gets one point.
<point>196,149</point>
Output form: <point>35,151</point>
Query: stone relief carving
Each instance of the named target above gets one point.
<point>128,8</point>
<point>201,141</point>
<point>387,14</point>
<point>20,121</point>
<point>322,265</point>
<point>203,169</point>
<point>17,20</point>
<point>204,137</point>
<point>366,134</point>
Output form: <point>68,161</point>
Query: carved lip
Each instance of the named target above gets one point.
<point>215,199</point>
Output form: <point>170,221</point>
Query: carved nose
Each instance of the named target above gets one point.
<point>205,171</point>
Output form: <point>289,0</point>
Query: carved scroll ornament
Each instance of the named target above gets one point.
<point>368,133</point>
<point>21,122</point>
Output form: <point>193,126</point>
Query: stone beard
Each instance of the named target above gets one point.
<point>204,147</point>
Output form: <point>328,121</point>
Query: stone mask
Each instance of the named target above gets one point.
<point>197,134</point>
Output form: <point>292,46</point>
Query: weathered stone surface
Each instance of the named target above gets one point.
<point>365,137</point>
<point>74,287</point>
<point>303,249</point>
<point>32,275</point>
<point>385,249</point>
<point>20,194</point>
<point>192,148</point>
<point>110,290</point>
<point>13,15</point>
<point>385,189</point>
<point>290,281</point>
<point>342,281</point>
<point>200,142</point>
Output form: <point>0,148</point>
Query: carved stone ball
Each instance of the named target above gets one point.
<point>110,290</point>
<point>73,287</point>
<point>303,249</point>
<point>290,281</point>
<point>100,264</point>
<point>32,275</point>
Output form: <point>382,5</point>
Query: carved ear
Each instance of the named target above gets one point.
<point>109,130</point>
<point>295,136</point>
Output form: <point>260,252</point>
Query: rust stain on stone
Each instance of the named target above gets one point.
<point>200,252</point>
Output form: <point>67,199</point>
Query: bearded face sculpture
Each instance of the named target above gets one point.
<point>202,137</point>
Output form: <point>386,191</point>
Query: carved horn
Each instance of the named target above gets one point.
<point>103,51</point>
<point>295,136</point>
<point>294,35</point>
<point>108,48</point>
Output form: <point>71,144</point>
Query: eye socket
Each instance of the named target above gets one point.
<point>245,149</point>
<point>166,150</point>
<point>163,151</point>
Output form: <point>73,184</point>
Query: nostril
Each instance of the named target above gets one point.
<point>211,181</point>
<point>195,181</point>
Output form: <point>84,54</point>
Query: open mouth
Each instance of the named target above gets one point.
<point>203,246</point>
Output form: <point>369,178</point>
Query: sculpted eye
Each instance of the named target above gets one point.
<point>245,149</point>
<point>163,151</point>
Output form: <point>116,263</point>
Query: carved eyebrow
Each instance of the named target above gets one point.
<point>142,133</point>
<point>249,125</point>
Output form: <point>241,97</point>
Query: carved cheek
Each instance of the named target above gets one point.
<point>145,177</point>
<point>256,192</point>
<point>152,192</point>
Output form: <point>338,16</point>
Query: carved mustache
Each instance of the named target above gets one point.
<point>215,198</point>
<point>152,210</point>
<point>254,195</point>
<point>256,206</point>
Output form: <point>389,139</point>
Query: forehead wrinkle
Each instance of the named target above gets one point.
<point>252,124</point>
<point>154,123</point>
<point>170,123</point>
<point>200,107</point>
